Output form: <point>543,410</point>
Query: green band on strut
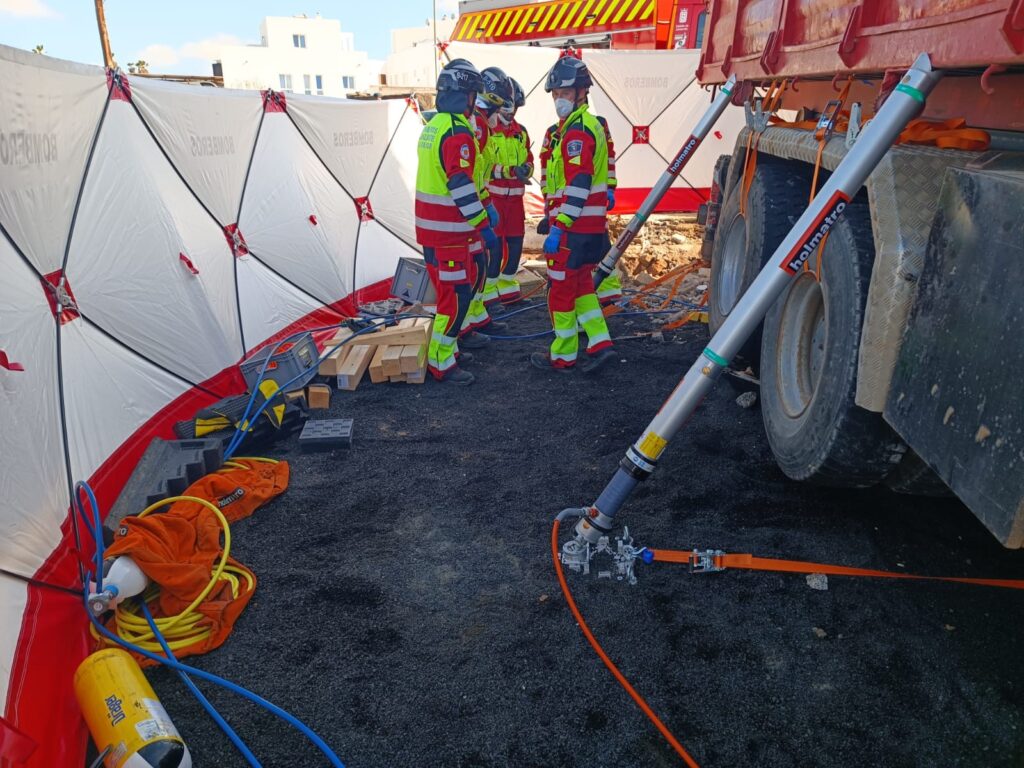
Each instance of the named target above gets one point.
<point>715,357</point>
<point>911,91</point>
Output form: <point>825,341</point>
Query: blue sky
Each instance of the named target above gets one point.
<point>181,36</point>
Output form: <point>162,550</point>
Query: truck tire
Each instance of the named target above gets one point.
<point>914,477</point>
<point>745,241</point>
<point>809,368</point>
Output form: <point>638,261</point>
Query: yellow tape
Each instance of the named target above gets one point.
<point>653,445</point>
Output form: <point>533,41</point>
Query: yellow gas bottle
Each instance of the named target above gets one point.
<point>124,714</point>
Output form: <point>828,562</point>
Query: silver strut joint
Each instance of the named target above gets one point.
<point>620,559</point>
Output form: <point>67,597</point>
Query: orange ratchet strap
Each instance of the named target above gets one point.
<point>716,560</point>
<point>772,100</point>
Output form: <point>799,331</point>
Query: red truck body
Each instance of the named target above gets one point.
<point>759,39</point>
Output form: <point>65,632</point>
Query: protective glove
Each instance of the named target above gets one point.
<point>492,215</point>
<point>553,241</point>
<point>522,172</point>
<point>543,226</point>
<point>611,199</point>
<point>490,239</point>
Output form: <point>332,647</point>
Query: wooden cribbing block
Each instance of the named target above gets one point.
<point>391,361</point>
<point>418,377</point>
<point>377,375</point>
<point>331,365</point>
<point>413,357</point>
<point>355,365</point>
<point>400,377</point>
<point>417,333</point>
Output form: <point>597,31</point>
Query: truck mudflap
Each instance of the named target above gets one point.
<point>957,396</point>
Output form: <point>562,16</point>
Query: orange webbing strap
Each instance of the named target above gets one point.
<point>633,694</point>
<point>822,134</point>
<point>752,563</point>
<point>772,100</point>
<point>689,317</point>
<point>678,272</point>
<point>945,134</point>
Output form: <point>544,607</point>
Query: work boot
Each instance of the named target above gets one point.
<point>474,340</point>
<point>464,357</point>
<point>458,377</point>
<point>596,361</point>
<point>495,327</point>
<point>495,309</point>
<point>542,361</point>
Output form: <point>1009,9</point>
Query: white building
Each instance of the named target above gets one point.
<point>413,55</point>
<point>298,54</point>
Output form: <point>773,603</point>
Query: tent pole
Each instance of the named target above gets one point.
<point>101,22</point>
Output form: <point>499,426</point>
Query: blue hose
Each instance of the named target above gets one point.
<point>211,710</point>
<point>541,334</point>
<point>95,527</point>
<point>185,669</point>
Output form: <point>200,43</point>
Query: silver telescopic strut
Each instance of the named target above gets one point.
<point>707,122</point>
<point>902,105</point>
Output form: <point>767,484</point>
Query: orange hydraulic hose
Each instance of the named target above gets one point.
<point>645,708</point>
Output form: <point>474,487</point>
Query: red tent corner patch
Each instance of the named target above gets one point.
<point>58,291</point>
<point>364,209</point>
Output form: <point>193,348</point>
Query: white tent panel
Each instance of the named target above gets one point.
<point>32,469</point>
<point>287,185</point>
<point>640,84</point>
<point>269,303</point>
<point>49,111</point>
<point>208,133</point>
<point>33,484</point>
<point>640,162</point>
<point>379,252</point>
<point>677,123</point>
<point>350,136</point>
<point>393,196</point>
<point>109,392</point>
<point>131,279</point>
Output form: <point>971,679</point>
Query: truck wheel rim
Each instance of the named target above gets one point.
<point>730,277</point>
<point>800,352</point>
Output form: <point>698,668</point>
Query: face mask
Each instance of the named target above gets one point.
<point>492,121</point>
<point>563,107</point>
<point>504,120</point>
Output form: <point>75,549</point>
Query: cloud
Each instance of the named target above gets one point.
<point>448,6</point>
<point>207,49</point>
<point>159,55</point>
<point>28,9</point>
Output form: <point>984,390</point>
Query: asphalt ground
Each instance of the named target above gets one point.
<point>408,610</point>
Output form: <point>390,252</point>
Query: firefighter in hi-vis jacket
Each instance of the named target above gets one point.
<point>451,223</point>
<point>578,232</point>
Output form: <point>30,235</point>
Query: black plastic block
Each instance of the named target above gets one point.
<point>325,434</point>
<point>166,469</point>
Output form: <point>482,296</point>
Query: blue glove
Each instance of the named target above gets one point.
<point>611,198</point>
<point>490,239</point>
<point>553,240</point>
<point>492,215</point>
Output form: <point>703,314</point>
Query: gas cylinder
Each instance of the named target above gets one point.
<point>124,714</point>
<point>124,579</point>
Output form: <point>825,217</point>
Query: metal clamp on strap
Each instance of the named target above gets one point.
<point>707,561</point>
